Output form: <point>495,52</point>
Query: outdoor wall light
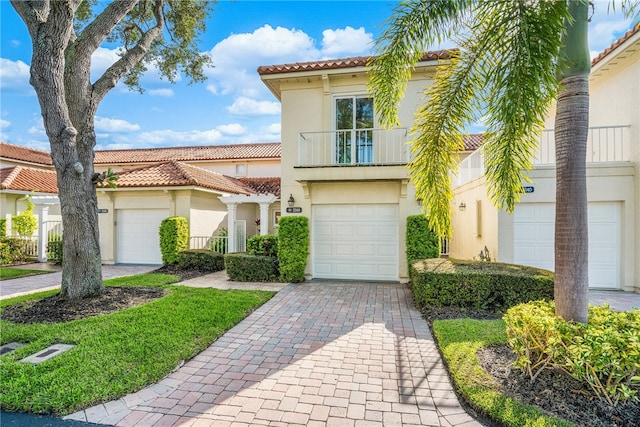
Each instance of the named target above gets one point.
<point>291,201</point>
<point>462,206</point>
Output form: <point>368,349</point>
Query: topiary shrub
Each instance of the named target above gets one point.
<point>174,238</point>
<point>266,245</point>
<point>243,267</point>
<point>604,353</point>
<point>477,285</point>
<point>422,243</point>
<point>202,260</point>
<point>293,247</point>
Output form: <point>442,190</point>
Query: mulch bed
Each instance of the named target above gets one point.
<point>554,391</point>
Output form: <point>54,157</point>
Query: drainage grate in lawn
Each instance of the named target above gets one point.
<point>47,353</point>
<point>8,348</point>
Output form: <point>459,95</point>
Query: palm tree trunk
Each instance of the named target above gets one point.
<point>571,129</point>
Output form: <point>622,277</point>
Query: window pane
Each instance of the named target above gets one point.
<point>344,113</point>
<point>364,113</point>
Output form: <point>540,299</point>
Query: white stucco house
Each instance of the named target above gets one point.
<point>236,187</point>
<point>345,173</point>
<point>613,185</point>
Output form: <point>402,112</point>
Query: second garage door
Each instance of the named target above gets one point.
<point>355,242</point>
<point>533,241</point>
<point>138,235</point>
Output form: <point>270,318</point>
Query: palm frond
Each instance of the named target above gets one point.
<point>413,27</point>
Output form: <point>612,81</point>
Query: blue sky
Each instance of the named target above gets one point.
<point>233,106</point>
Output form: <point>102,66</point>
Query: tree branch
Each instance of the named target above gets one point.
<point>133,56</point>
<point>95,33</point>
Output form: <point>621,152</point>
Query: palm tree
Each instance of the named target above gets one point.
<point>515,57</point>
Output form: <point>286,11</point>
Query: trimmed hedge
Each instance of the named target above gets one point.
<point>13,249</point>
<point>174,238</point>
<point>243,267</point>
<point>266,245</point>
<point>477,285</point>
<point>422,243</point>
<point>201,259</point>
<point>293,247</point>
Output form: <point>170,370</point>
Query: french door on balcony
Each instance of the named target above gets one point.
<point>354,130</point>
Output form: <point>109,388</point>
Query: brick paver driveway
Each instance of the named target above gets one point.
<point>318,353</point>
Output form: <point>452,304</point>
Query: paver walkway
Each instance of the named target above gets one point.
<point>318,353</point>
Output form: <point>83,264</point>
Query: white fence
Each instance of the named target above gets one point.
<point>215,243</point>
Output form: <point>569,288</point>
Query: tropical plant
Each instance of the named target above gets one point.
<point>65,34</point>
<point>514,58</point>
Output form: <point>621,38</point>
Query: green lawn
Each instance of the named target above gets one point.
<point>7,273</point>
<point>118,353</point>
<point>459,341</point>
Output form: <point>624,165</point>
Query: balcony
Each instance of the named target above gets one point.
<point>605,144</point>
<point>356,147</point>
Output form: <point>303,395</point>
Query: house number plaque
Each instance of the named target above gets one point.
<point>294,210</point>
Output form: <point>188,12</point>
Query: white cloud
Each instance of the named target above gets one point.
<point>38,128</point>
<point>14,74</point>
<point>605,27</point>
<point>244,106</point>
<point>232,129</point>
<point>4,123</point>
<point>347,41</point>
<point>237,57</point>
<point>168,93</point>
<point>16,43</point>
<point>274,128</point>
<point>105,124</point>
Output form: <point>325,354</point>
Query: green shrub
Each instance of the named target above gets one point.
<point>174,238</point>
<point>25,223</point>
<point>266,245</point>
<point>3,227</point>
<point>14,249</point>
<point>604,353</point>
<point>243,267</point>
<point>293,247</point>
<point>54,251</point>
<point>477,285</point>
<point>422,243</point>
<point>201,259</point>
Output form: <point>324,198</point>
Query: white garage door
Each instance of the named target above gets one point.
<point>138,237</point>
<point>533,242</point>
<point>357,242</point>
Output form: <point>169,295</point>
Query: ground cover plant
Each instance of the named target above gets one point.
<point>115,353</point>
<point>7,273</point>
<point>480,363</point>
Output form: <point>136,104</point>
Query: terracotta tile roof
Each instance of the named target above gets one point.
<point>25,154</point>
<point>20,178</point>
<point>333,64</point>
<point>473,141</point>
<point>177,174</point>
<point>263,185</point>
<point>616,44</point>
<point>269,150</point>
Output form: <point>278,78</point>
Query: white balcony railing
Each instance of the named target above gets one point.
<point>353,147</point>
<point>604,144</point>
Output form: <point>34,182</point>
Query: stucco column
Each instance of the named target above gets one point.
<point>231,226</point>
<point>43,216</point>
<point>264,218</point>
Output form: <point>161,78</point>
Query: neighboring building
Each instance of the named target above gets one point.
<point>345,173</point>
<point>211,186</point>
<point>613,185</point>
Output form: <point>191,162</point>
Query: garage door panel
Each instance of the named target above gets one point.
<point>534,236</point>
<point>138,235</point>
<point>363,240</point>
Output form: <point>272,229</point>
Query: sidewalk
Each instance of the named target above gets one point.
<point>43,282</point>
